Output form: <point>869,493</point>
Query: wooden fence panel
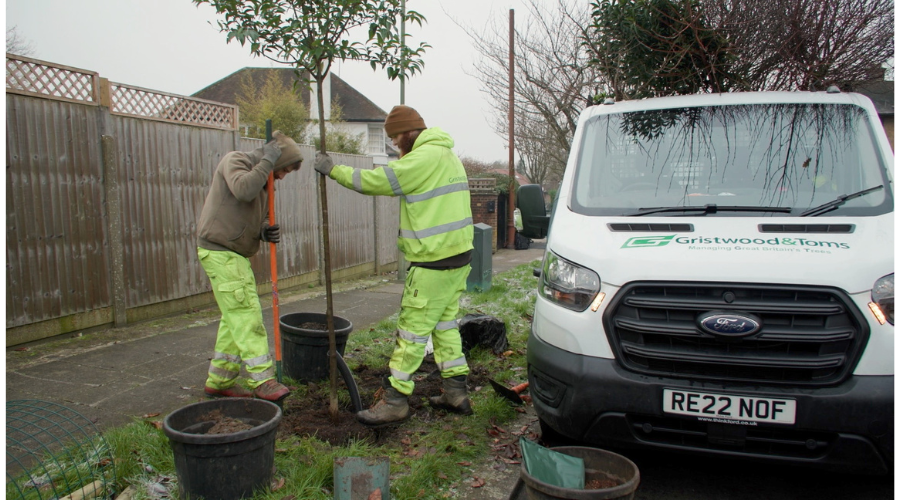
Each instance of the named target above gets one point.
<point>56,255</point>
<point>164,174</point>
<point>351,222</point>
<point>249,143</point>
<point>61,274</point>
<point>387,213</point>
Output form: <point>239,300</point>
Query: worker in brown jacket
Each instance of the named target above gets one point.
<point>232,225</point>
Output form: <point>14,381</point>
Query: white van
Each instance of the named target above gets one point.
<point>719,278</point>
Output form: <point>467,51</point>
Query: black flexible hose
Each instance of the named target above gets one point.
<point>350,381</point>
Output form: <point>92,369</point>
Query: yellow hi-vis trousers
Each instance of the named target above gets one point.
<point>428,309</point>
<point>242,336</point>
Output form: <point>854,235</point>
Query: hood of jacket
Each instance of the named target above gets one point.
<point>434,136</point>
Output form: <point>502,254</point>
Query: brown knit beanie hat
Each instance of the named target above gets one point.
<point>290,151</point>
<point>403,119</point>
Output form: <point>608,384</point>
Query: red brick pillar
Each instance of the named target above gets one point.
<point>484,205</point>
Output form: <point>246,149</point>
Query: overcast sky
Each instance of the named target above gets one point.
<point>174,46</point>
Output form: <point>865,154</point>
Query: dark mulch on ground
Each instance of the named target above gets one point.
<point>310,416</point>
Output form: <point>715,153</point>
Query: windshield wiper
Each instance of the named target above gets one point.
<point>707,209</point>
<point>840,200</point>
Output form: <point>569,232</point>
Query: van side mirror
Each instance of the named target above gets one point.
<point>530,202</point>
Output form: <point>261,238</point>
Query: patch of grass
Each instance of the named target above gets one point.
<point>432,460</point>
<point>142,455</point>
<point>373,346</point>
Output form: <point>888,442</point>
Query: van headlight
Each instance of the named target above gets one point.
<point>883,297</point>
<point>567,284</point>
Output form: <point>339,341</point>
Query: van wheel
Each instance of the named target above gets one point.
<point>550,438</point>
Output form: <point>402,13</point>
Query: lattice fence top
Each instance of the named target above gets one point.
<point>482,184</point>
<point>134,101</point>
<point>30,76</point>
<point>40,78</point>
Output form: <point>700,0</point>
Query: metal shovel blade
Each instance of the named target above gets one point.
<point>506,392</point>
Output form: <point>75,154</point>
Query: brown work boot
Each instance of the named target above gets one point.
<point>235,391</point>
<point>393,407</point>
<point>271,390</point>
<point>454,398</point>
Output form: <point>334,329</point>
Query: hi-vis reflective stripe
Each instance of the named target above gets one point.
<point>263,375</point>
<point>450,188</point>
<point>392,178</point>
<point>431,231</point>
<point>222,373</point>
<point>357,180</point>
<point>446,325</point>
<point>403,377</point>
<point>231,358</point>
<point>257,360</point>
<point>450,364</point>
<point>412,337</point>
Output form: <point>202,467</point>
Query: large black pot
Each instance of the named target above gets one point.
<point>304,350</point>
<point>223,466</point>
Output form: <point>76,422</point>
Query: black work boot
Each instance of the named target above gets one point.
<point>392,408</point>
<point>454,398</point>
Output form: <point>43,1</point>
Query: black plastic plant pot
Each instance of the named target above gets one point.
<point>304,344</point>
<point>223,466</point>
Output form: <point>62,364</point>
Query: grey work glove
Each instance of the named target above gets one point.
<point>271,234</point>
<point>323,164</point>
<point>271,152</point>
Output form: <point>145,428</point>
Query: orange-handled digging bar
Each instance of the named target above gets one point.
<point>273,265</point>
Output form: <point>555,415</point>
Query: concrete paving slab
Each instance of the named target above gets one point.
<point>116,374</point>
<point>166,396</point>
<point>20,387</point>
<point>164,365</point>
<point>63,382</point>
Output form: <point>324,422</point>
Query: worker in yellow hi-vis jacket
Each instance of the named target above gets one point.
<point>436,238</point>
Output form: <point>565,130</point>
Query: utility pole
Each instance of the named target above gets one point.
<point>511,226</point>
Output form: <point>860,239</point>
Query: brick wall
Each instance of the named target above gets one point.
<point>484,205</point>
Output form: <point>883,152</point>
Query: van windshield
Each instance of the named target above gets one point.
<point>793,157</point>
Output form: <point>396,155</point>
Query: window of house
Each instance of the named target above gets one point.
<point>376,139</point>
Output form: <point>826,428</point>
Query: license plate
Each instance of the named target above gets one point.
<point>728,408</point>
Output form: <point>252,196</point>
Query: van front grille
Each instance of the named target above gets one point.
<point>765,440</point>
<point>809,336</point>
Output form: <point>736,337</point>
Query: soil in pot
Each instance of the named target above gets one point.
<point>223,424</point>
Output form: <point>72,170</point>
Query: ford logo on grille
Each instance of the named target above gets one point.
<point>729,324</point>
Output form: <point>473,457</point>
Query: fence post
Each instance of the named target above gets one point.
<point>110,160</point>
<point>114,227</point>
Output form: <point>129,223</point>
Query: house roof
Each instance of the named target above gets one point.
<point>881,93</point>
<point>356,107</point>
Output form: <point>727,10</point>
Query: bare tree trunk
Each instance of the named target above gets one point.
<point>329,310</point>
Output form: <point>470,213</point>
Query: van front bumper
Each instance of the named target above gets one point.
<point>849,427</point>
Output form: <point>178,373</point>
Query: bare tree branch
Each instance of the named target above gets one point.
<point>552,80</point>
<point>17,44</point>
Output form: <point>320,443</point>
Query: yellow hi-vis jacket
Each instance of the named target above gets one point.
<point>435,210</point>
